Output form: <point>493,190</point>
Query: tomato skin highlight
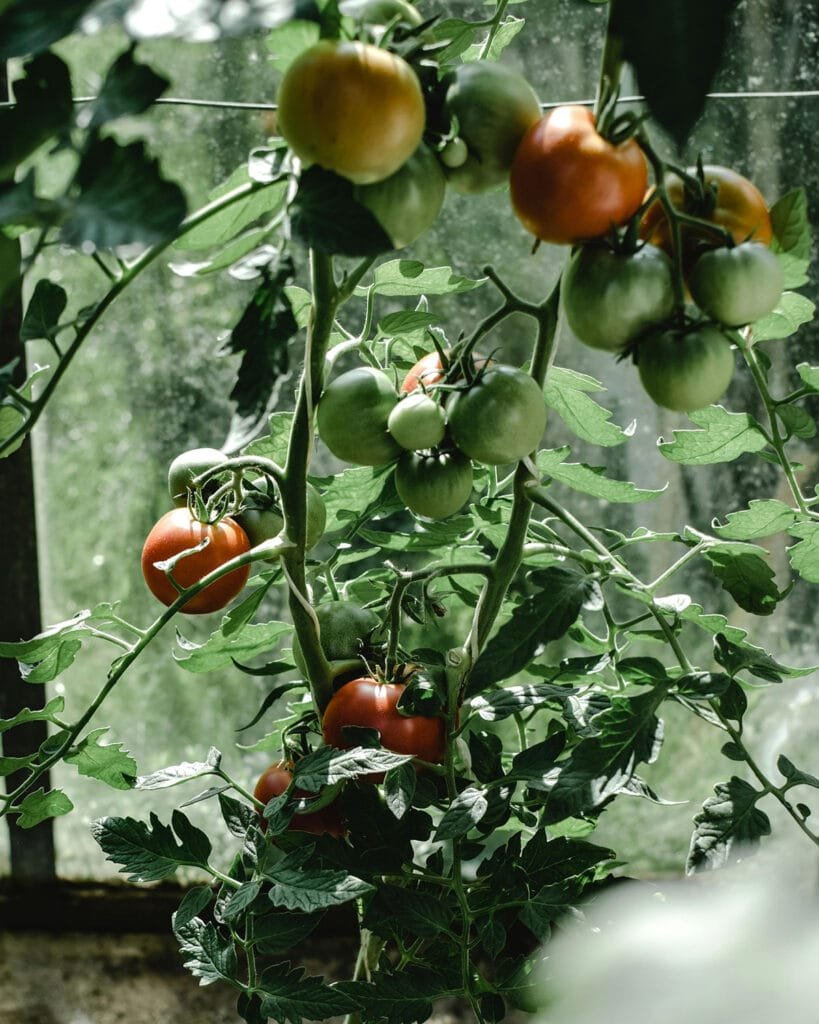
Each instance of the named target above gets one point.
<point>176,531</point>
<point>434,485</point>
<point>274,780</point>
<point>568,184</point>
<point>737,286</point>
<point>352,417</point>
<point>685,371</point>
<point>352,108</point>
<point>372,705</point>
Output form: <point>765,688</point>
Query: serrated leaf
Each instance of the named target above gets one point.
<point>237,816</point>
<point>397,911</point>
<point>314,889</point>
<point>193,903</point>
<point>702,685</point>
<point>722,437</point>
<point>762,518</point>
<point>129,88</point>
<point>790,313</point>
<point>39,805</point>
<point>729,818</point>
<point>804,555</point>
<point>745,575</point>
<point>399,788</point>
<point>410,277</point>
<point>274,444</point>
<point>211,955</point>
<point>741,656</point>
<point>43,107</point>
<point>228,223</point>
<point>240,899</point>
<point>107,762</point>
<point>176,773</point>
<point>353,492</point>
<point>546,615</point>
<point>504,35</point>
<point>47,714</point>
<point>465,811</point>
<point>148,851</point>
<point>219,650</point>
<point>404,997</point>
<point>289,996</point>
<point>809,374</point>
<point>287,41</point>
<point>122,198</point>
<point>498,704</point>
<point>279,931</point>
<point>592,479</point>
<point>327,766</point>
<point>326,216</point>
<point>567,392</point>
<point>43,311</point>
<point>792,236</point>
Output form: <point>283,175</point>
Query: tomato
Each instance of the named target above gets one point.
<point>685,370</point>
<point>500,419</point>
<point>274,780</point>
<point>434,484</point>
<point>188,465</point>
<point>369,704</point>
<point>429,371</point>
<point>406,203</point>
<point>610,298</point>
<point>494,107</point>
<point>177,531</point>
<point>352,417</point>
<point>569,184</point>
<point>352,108</point>
<point>730,201</point>
<point>345,629</point>
<point>417,422</point>
<point>262,519</point>
<point>454,154</point>
<point>737,286</point>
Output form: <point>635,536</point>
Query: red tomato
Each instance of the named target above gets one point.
<point>274,781</point>
<point>176,531</point>
<point>428,371</point>
<point>372,705</point>
<point>569,184</point>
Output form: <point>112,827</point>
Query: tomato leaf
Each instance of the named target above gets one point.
<point>176,773</point>
<point>566,391</point>
<point>744,573</point>
<point>395,911</point>
<point>406,996</point>
<point>675,50</point>
<point>289,996</point>
<point>504,34</point>
<point>29,26</point>
<point>149,851</point>
<point>399,788</point>
<point>804,555</point>
<point>794,775</point>
<point>325,215</point>
<point>792,236</point>
<point>736,657</point>
<point>809,375</point>
<point>465,811</point>
<point>47,714</point>
<point>728,819</point>
<point>762,518</point>
<point>790,313</point>
<point>326,765</point>
<point>499,704</point>
<point>107,762</point>
<point>279,931</point>
<point>39,805</point>
<point>287,41</point>
<point>410,277</point>
<point>210,953</point>
<point>219,650</point>
<point>43,108</point>
<point>129,88</point>
<point>591,479</point>
<point>297,889</point>
<point>44,310</point>
<point>193,903</point>
<point>722,437</point>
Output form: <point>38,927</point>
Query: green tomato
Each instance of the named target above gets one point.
<point>262,519</point>
<point>739,285</point>
<point>501,418</point>
<point>685,370</point>
<point>611,298</point>
<point>406,203</point>
<point>344,628</point>
<point>417,422</point>
<point>434,484</point>
<point>352,417</point>
<point>494,107</point>
<point>186,467</point>
<point>454,154</point>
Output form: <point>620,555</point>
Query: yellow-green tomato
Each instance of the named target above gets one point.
<point>434,484</point>
<point>407,203</point>
<point>417,422</point>
<point>494,107</point>
<point>685,370</point>
<point>186,467</point>
<point>739,285</point>
<point>352,417</point>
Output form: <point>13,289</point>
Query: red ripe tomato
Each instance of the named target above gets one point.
<point>372,705</point>
<point>569,184</point>
<point>274,781</point>
<point>177,531</point>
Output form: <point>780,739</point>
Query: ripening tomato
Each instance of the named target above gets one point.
<point>429,371</point>
<point>274,780</point>
<point>369,704</point>
<point>739,285</point>
<point>352,108</point>
<point>177,531</point>
<point>569,184</point>
<point>685,370</point>
<point>352,417</point>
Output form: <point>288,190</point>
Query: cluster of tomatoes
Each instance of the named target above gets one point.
<point>434,427</point>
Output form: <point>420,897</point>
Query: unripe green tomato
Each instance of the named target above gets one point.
<point>344,627</point>
<point>186,467</point>
<point>500,419</point>
<point>610,298</point>
<point>417,422</point>
<point>352,417</point>
<point>495,107</point>
<point>739,285</point>
<point>685,370</point>
<point>434,484</point>
<point>454,154</point>
<point>261,524</point>
<point>406,203</point>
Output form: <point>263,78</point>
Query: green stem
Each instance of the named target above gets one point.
<point>611,69</point>
<point>500,10</point>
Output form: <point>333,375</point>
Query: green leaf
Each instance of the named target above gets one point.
<point>722,437</point>
<point>546,906</point>
<point>44,310</point>
<point>9,765</point>
<point>287,41</point>
<point>787,317</point>
<point>241,898</point>
<point>505,34</point>
<point>762,518</point>
<point>499,704</point>
<point>177,773</point>
<point>797,421</point>
<point>728,819</point>
<point>566,391</point>
<point>224,226</point>
<point>279,931</point>
<point>559,595</point>
<point>44,107</point>
<point>741,656</point>
<point>219,651</point>
<point>804,555</point>
<point>809,374</point>
<point>794,775</point>
<point>211,954</point>
<point>149,852</point>
<point>792,236</point>
<point>122,198</point>
<point>744,573</point>
<point>29,26</point>
<point>129,88</point>
<point>296,889</point>
<point>457,36</point>
<point>352,493</point>
<point>399,788</point>
<point>396,910</point>
<point>465,811</point>
<point>193,903</point>
<point>327,766</point>
<point>49,653</point>
<point>274,444</point>
<point>39,805</point>
<point>20,206</point>
<point>107,762</point>
<point>591,479</point>
<point>326,216</point>
<point>404,997</point>
<point>410,277</point>
<point>54,707</point>
<point>289,996</point>
<point>675,50</point>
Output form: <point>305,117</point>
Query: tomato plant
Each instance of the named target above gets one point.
<point>407,202</point>
<point>500,418</point>
<point>274,780</point>
<point>353,414</point>
<point>434,484</point>
<point>352,108</point>
<point>610,298</point>
<point>177,531</point>
<point>187,466</point>
<point>568,184</point>
<point>685,369</point>
<point>739,285</point>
